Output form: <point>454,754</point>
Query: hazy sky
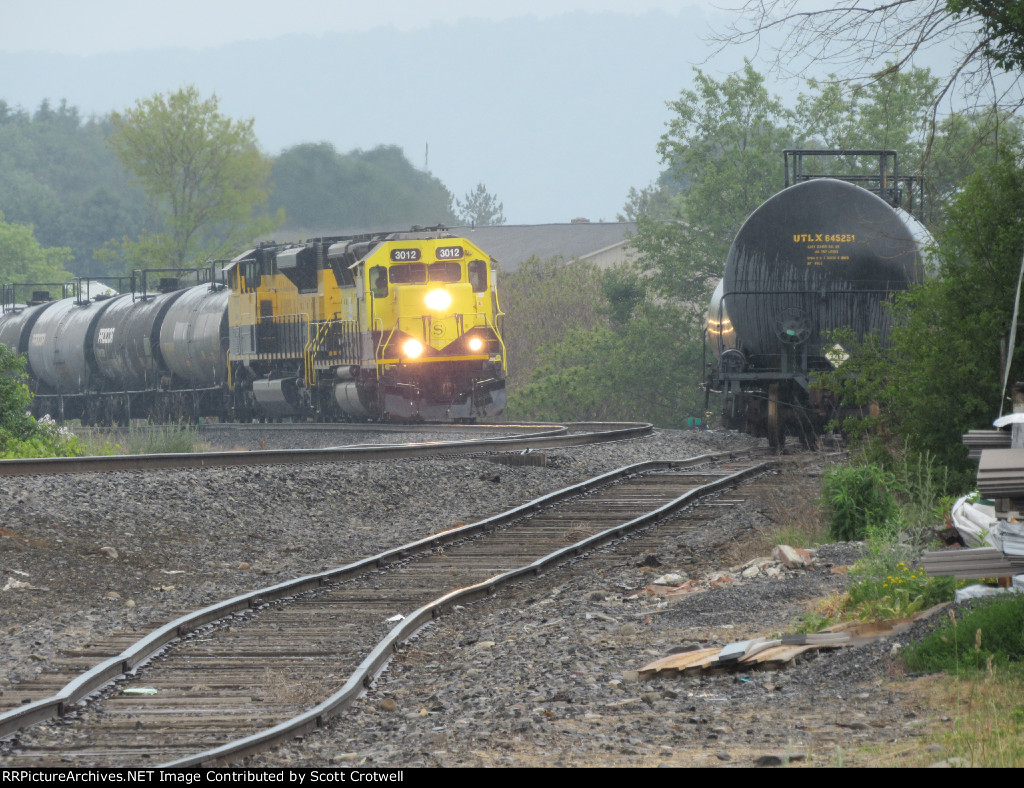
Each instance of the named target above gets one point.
<point>559,118</point>
<point>94,26</point>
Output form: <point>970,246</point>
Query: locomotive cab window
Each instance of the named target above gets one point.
<point>410,274</point>
<point>478,275</point>
<point>445,272</point>
<point>379,281</point>
<point>251,274</point>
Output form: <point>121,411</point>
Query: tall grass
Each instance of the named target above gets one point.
<point>990,635</point>
<point>182,438</point>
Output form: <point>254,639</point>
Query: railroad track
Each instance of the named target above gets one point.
<point>577,434</point>
<point>239,676</point>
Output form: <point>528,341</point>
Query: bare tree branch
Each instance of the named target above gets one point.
<point>866,41</point>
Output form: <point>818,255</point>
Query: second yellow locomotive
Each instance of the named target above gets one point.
<point>401,326</point>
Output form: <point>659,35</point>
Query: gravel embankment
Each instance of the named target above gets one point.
<point>183,539</point>
<point>545,681</point>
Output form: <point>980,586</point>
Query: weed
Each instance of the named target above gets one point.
<point>796,517</point>
<point>858,498</point>
<point>989,636</point>
<point>824,613</point>
<point>887,586</point>
<point>167,439</point>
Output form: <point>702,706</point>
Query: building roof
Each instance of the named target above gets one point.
<point>513,244</point>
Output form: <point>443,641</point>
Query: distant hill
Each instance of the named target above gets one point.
<point>559,118</point>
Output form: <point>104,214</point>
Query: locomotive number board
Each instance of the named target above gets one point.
<point>415,254</point>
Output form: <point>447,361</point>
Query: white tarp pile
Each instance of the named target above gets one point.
<point>978,526</point>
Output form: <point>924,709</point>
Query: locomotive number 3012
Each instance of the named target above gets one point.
<point>449,252</point>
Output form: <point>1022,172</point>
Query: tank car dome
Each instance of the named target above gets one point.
<point>821,255</point>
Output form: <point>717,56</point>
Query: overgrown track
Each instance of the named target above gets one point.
<point>244,674</point>
<point>577,434</point>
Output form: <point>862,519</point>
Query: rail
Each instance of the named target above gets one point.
<point>146,648</point>
<point>567,435</point>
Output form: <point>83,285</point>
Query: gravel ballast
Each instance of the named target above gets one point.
<point>539,675</point>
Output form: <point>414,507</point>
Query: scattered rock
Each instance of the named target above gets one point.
<point>791,557</point>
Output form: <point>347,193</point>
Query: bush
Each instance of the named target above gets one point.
<point>859,500</point>
<point>44,438</point>
<point>21,436</point>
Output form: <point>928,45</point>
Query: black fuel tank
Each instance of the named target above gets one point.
<point>818,256</point>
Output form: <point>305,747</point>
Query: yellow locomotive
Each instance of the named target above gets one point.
<point>401,326</point>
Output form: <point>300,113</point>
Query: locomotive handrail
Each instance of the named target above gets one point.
<point>312,345</point>
<point>501,341</point>
<point>300,319</point>
<point>378,321</point>
<point>379,355</point>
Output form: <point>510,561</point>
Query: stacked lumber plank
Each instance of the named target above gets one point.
<point>1001,473</point>
<point>763,654</point>
<point>967,564</point>
<point>977,441</point>
<point>766,654</point>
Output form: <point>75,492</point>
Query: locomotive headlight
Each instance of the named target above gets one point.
<point>412,348</point>
<point>476,344</point>
<point>438,300</point>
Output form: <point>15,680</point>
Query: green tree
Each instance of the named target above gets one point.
<point>590,344</point>
<point>1002,26</point>
<point>22,259</point>
<point>724,141</point>
<point>15,398</point>
<point>58,174</point>
<point>895,112</point>
<point>859,41</point>
<point>543,301</point>
<point>639,370</point>
<point>721,153</point>
<point>889,113</point>
<point>480,208</point>
<point>964,143</point>
<point>940,375</point>
<point>202,170</point>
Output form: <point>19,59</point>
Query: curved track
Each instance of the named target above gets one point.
<point>576,434</point>
<point>215,692</point>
